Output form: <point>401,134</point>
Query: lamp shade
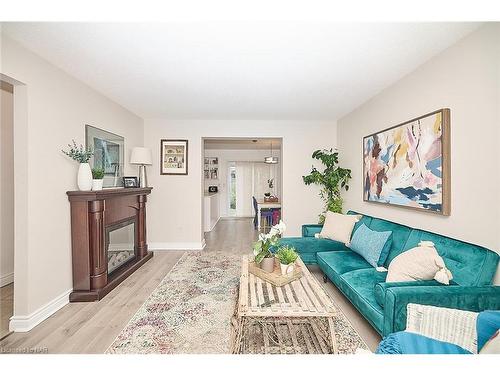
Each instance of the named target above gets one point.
<point>141,155</point>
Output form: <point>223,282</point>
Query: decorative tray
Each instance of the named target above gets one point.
<point>275,277</point>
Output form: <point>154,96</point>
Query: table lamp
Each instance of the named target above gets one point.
<point>141,156</point>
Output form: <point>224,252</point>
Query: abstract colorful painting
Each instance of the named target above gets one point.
<point>409,164</point>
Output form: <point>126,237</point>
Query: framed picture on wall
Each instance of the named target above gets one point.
<point>108,155</point>
<point>408,165</point>
<point>174,157</point>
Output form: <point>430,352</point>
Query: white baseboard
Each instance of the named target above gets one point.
<point>213,226</point>
<point>159,246</point>
<point>6,279</point>
<point>24,323</point>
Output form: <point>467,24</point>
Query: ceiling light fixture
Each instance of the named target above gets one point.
<point>271,159</point>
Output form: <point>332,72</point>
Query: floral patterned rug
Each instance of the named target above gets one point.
<point>190,311</point>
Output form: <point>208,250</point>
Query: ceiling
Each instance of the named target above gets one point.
<point>243,70</point>
<point>242,143</point>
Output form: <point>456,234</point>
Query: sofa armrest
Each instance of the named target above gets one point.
<point>471,298</point>
<point>309,230</point>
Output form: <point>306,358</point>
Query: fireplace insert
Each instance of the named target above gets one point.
<point>120,244</point>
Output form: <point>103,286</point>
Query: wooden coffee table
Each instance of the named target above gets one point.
<point>294,318</point>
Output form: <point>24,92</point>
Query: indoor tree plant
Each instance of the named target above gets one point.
<point>81,155</point>
<point>264,258</point>
<point>287,257</point>
<point>332,179</point>
<point>98,176</point>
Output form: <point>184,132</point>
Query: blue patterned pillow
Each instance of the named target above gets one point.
<point>371,245</point>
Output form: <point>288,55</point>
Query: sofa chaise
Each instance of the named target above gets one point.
<point>384,304</point>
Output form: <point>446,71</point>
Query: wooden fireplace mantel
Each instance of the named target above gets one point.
<point>92,212</point>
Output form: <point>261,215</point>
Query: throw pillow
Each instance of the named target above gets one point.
<point>420,263</point>
<point>492,346</point>
<point>339,227</point>
<point>487,323</point>
<point>371,245</point>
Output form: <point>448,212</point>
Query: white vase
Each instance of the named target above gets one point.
<point>84,177</point>
<point>97,184</point>
<point>287,268</point>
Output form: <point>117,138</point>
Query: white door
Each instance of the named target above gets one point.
<point>244,189</point>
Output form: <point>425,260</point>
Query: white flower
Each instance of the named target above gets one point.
<point>281,227</point>
<point>274,231</point>
<point>262,237</point>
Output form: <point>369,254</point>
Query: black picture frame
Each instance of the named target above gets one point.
<point>130,182</point>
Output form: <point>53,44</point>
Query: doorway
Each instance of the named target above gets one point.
<point>6,206</point>
<point>243,181</point>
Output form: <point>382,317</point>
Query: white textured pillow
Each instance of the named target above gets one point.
<point>339,227</point>
<point>420,263</point>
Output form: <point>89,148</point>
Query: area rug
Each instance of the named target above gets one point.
<point>190,311</point>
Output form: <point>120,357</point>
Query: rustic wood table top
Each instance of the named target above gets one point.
<point>300,298</point>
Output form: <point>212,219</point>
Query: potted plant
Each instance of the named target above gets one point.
<point>287,257</point>
<point>81,155</point>
<point>332,179</point>
<point>98,176</point>
<point>264,258</point>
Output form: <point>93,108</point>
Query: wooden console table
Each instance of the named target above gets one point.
<point>93,215</point>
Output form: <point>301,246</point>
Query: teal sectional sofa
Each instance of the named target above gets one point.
<point>384,304</point>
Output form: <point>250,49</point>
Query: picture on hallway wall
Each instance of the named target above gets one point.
<point>174,157</point>
<point>408,165</point>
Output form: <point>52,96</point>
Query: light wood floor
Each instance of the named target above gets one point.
<point>92,327</point>
<point>6,308</point>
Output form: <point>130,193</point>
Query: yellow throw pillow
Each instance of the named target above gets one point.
<point>420,263</point>
<point>339,227</point>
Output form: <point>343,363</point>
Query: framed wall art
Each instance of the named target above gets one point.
<point>108,154</point>
<point>174,157</point>
<point>408,165</point>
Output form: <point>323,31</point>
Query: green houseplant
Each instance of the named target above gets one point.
<point>82,155</point>
<point>264,258</point>
<point>98,176</point>
<point>332,179</point>
<point>287,257</point>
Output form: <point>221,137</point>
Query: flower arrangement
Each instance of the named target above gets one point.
<point>79,153</point>
<point>262,248</point>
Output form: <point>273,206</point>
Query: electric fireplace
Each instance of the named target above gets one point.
<point>108,239</point>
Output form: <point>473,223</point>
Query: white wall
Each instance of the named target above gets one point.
<point>56,109</point>
<point>6,188</point>
<point>174,209</point>
<point>225,157</point>
<point>464,78</point>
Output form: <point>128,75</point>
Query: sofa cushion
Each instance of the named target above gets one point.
<point>342,261</point>
<point>339,227</point>
<point>400,234</point>
<point>307,247</point>
<point>373,246</point>
<point>358,286</point>
<point>471,265</point>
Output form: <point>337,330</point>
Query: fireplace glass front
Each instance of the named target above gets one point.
<point>120,244</point>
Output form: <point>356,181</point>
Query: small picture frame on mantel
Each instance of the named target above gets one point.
<point>174,157</point>
<point>130,182</point>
